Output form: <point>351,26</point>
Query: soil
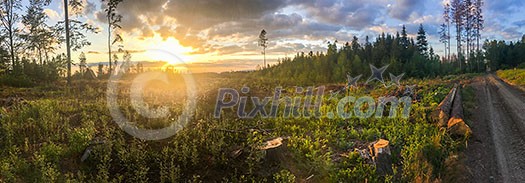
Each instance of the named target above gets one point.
<point>496,151</point>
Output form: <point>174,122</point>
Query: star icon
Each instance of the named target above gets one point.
<point>395,80</point>
<point>333,94</point>
<point>352,81</point>
<point>377,74</point>
<point>409,90</point>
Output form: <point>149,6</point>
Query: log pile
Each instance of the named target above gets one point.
<point>456,125</point>
<point>442,113</point>
<point>449,113</point>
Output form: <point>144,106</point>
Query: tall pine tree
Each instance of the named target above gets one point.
<point>422,42</point>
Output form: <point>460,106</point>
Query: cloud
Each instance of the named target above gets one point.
<point>403,9</point>
<point>497,30</point>
<point>357,14</point>
<point>136,14</point>
<point>244,16</point>
<point>89,7</point>
<point>231,26</point>
<point>520,23</point>
<point>202,14</point>
<point>52,14</point>
<point>281,21</point>
<point>383,29</point>
<point>505,6</point>
<point>116,51</point>
<point>511,33</point>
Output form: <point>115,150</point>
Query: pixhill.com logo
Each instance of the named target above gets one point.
<point>307,102</point>
<point>142,108</point>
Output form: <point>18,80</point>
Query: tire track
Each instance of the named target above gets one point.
<point>502,109</point>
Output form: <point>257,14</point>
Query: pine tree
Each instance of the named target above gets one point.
<point>404,37</point>
<point>458,14</point>
<point>40,37</point>
<point>443,38</point>
<point>446,31</point>
<point>9,19</point>
<point>422,43</point>
<point>478,22</point>
<point>113,23</point>
<point>468,16</point>
<point>68,42</point>
<point>431,54</point>
<point>83,63</point>
<point>263,42</point>
<point>355,44</point>
<point>73,31</point>
<point>126,58</point>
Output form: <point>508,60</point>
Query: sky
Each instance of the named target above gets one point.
<point>221,35</point>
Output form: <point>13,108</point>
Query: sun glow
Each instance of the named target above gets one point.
<point>168,50</point>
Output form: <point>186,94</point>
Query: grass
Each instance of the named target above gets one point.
<point>43,139</point>
<point>514,76</point>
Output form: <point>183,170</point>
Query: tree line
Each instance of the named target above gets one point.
<point>403,54</point>
<point>505,55</point>
<point>30,50</point>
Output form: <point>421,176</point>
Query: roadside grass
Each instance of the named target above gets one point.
<point>514,76</point>
<point>469,101</point>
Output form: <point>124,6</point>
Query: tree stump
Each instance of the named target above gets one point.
<point>381,156</point>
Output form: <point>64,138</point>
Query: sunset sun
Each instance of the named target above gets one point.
<point>168,50</point>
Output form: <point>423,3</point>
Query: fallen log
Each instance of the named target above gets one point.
<point>442,114</point>
<point>456,125</point>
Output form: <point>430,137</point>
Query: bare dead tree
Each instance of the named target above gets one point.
<point>263,42</point>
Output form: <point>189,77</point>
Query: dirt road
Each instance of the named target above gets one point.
<point>496,152</point>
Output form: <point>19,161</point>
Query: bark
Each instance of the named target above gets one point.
<point>68,46</point>
<point>109,43</point>
<point>442,113</point>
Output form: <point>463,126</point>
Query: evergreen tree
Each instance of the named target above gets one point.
<point>113,24</point>
<point>422,43</point>
<point>458,18</point>
<point>468,16</point>
<point>355,44</point>
<point>263,42</point>
<point>444,38</point>
<point>83,63</point>
<point>40,37</point>
<point>446,30</point>
<point>9,18</point>
<point>404,37</point>
<point>478,22</point>
<point>73,31</point>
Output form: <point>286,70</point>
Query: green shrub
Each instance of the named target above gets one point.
<point>284,176</point>
<point>16,81</point>
<point>514,76</point>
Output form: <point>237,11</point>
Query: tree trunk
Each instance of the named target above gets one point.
<point>264,53</point>
<point>109,43</point>
<point>458,40</point>
<point>68,46</point>
<point>442,114</point>
<point>11,44</point>
<point>448,37</point>
<point>47,58</point>
<point>40,56</point>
